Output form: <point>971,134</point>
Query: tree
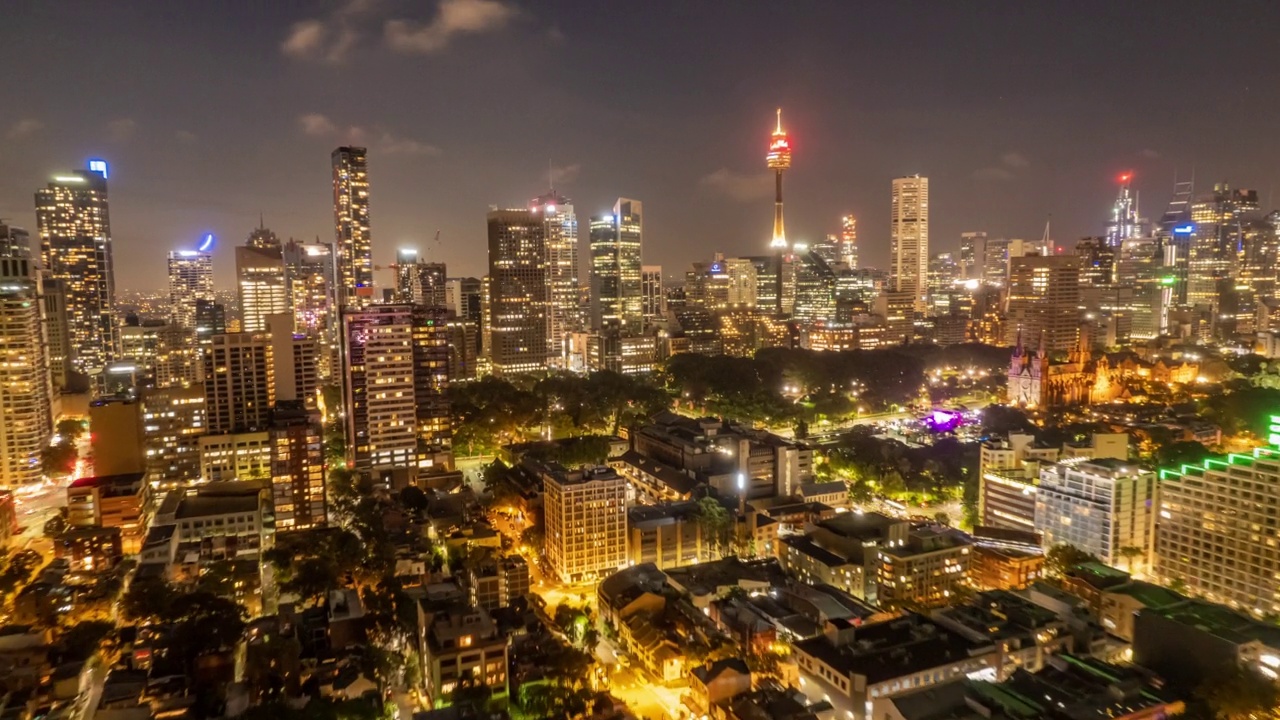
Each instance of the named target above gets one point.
<point>412,498</point>
<point>1061,558</point>
<point>1130,553</point>
<point>715,523</point>
<point>59,459</point>
<point>1239,693</point>
<point>55,526</point>
<point>80,641</point>
<point>203,623</point>
<point>70,430</point>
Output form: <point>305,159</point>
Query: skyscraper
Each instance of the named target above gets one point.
<point>1044,301</point>
<point>778,160</point>
<point>1124,222</point>
<point>396,384</point>
<point>849,241</point>
<point>564,311</point>
<point>75,250</point>
<point>239,383</point>
<point>26,419</point>
<point>309,275</point>
<point>297,469</point>
<point>653,301</point>
<point>417,281</point>
<point>972,254</point>
<point>616,267</point>
<point>909,237</point>
<point>351,225</point>
<point>190,280</point>
<point>260,281</point>
<point>516,317</point>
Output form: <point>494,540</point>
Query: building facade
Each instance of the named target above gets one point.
<point>26,393</point>
<point>353,241</point>
<point>909,238</point>
<point>1105,507</point>
<point>516,320</point>
<point>616,268</point>
<point>586,523</point>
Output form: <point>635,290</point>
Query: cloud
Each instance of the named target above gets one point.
<point>1150,154</point>
<point>564,173</point>
<point>1014,160</point>
<point>741,187</point>
<point>24,129</point>
<point>453,18</point>
<point>388,144</point>
<point>992,173</point>
<point>555,35</point>
<point>378,140</point>
<point>186,137</point>
<point>327,40</point>
<point>122,129</point>
<point>316,125</point>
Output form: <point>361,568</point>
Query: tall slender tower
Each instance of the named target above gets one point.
<point>778,160</point>
<point>1124,223</point>
<point>516,315</point>
<point>849,241</point>
<point>353,243</point>
<point>190,280</point>
<point>26,419</point>
<point>909,238</point>
<point>564,308</point>
<point>616,288</point>
<point>75,249</point>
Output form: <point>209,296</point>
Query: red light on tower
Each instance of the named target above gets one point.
<point>779,157</point>
<point>1125,177</point>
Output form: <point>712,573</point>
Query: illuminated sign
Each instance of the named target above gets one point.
<point>99,167</point>
<point>1274,437</point>
<point>1184,229</point>
<point>206,243</point>
<point>717,268</point>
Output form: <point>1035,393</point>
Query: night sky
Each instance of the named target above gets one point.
<point>211,112</point>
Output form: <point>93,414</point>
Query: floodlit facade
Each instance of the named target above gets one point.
<point>239,382</point>
<point>26,420</point>
<point>297,469</point>
<point>1101,506</point>
<point>564,306</point>
<point>353,241</point>
<point>173,419</point>
<point>909,238</point>
<point>1216,530</point>
<point>260,281</point>
<point>1044,301</point>
<point>75,250</point>
<point>586,519</point>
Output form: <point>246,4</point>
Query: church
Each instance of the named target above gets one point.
<point>1035,381</point>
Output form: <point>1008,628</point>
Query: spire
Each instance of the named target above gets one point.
<point>1041,350</point>
<point>779,130</point>
<point>551,176</point>
<point>261,224</point>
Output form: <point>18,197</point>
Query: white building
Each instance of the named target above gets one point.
<point>586,522</point>
<point>909,237</point>
<point>1100,506</point>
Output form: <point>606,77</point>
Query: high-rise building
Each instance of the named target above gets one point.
<point>395,385</point>
<point>462,297</point>
<point>1097,260</point>
<point>564,308</point>
<point>1218,219</point>
<point>117,440</point>
<point>353,242</point>
<point>586,519</point>
<point>973,247</point>
<point>260,280</point>
<point>1044,301</point>
<point>26,395</point>
<point>239,382</point>
<point>190,279</point>
<point>653,301</point>
<point>778,160</point>
<point>909,238</point>
<point>419,282</point>
<point>849,241</point>
<point>309,277</point>
<point>295,360</point>
<point>518,292</point>
<point>56,330</point>
<point>75,250</point>
<point>297,469</point>
<point>1125,222</point>
<point>943,273</point>
<point>1216,533</point>
<point>173,419</point>
<point>616,267</point>
<point>1102,506</point>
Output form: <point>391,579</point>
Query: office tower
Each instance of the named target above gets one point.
<point>26,395</point>
<point>815,288</point>
<point>1044,301</point>
<point>909,237</point>
<point>1139,266</point>
<point>1173,236</point>
<point>405,266</point>
<point>462,297</point>
<point>260,280</point>
<point>309,272</point>
<point>849,241</point>
<point>297,469</point>
<point>75,250</point>
<point>973,246</point>
<point>353,242</point>
<point>564,308</point>
<point>1102,506</point>
<point>942,276</point>
<point>995,261</point>
<point>779,161</point>
<point>616,267</point>
<point>1097,260</point>
<point>396,385</point>
<point>190,279</point>
<point>586,519</point>
<point>173,419</point>
<point>53,300</point>
<point>1217,226</point>
<point>1215,535</point>
<point>518,292</point>
<point>828,249</point>
<point>239,382</point>
<point>1125,222</point>
<point>653,302</point>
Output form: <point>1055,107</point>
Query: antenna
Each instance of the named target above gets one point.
<point>551,183</point>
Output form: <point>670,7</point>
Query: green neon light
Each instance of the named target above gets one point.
<point>1166,474</point>
<point>1210,462</point>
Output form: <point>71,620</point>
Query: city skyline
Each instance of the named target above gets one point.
<point>1003,154</point>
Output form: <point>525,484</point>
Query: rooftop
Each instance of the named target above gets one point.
<point>667,475</point>
<point>894,648</point>
<point>205,506</point>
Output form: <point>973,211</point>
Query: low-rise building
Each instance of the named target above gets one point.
<point>1190,642</point>
<point>460,646</point>
<point>495,582</point>
<point>90,549</point>
<point>928,571</point>
<point>716,684</point>
<point>1106,507</point>
<point>651,481</point>
<point>1121,604</point>
<point>112,501</point>
<point>842,551</point>
<point>235,456</point>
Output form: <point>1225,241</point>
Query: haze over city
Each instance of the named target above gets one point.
<point>213,113</point>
